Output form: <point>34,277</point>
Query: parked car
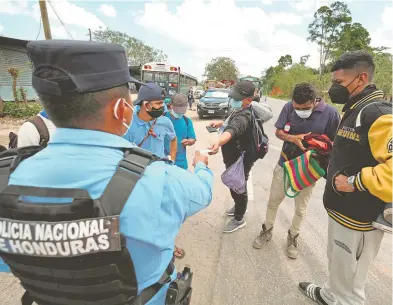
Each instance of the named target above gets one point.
<point>214,102</point>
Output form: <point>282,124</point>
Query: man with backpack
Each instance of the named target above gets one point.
<point>35,132</point>
<point>184,129</point>
<point>235,140</point>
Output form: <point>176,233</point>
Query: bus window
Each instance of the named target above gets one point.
<point>173,78</point>
<point>160,77</point>
<point>147,76</point>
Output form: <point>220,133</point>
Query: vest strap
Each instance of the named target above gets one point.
<point>121,185</point>
<point>148,293</point>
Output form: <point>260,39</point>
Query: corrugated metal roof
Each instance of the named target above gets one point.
<point>12,41</point>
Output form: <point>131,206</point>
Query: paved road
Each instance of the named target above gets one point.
<point>227,270</point>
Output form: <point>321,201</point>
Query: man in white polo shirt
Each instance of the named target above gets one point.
<point>36,131</point>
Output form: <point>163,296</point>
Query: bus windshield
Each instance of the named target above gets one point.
<point>173,77</point>
<point>147,76</point>
<point>161,77</point>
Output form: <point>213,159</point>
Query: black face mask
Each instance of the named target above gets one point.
<point>339,94</point>
<point>156,112</point>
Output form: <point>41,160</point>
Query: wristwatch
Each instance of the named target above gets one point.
<point>351,181</point>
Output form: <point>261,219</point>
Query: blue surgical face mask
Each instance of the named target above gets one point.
<point>236,104</point>
<point>176,115</point>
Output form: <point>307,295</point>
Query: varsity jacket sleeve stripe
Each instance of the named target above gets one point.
<point>378,179</point>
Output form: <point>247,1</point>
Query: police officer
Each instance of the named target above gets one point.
<point>63,240</point>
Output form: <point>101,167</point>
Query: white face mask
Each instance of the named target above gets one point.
<point>304,114</point>
<point>116,116</point>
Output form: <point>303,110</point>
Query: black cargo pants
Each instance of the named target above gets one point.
<point>241,200</point>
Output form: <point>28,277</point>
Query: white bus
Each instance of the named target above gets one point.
<point>169,77</point>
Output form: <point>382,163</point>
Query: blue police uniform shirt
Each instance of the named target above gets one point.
<point>183,131</point>
<point>150,220</point>
<point>323,120</point>
<point>139,128</point>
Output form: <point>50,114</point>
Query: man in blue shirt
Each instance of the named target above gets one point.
<point>91,107</point>
<point>184,129</point>
<point>149,127</point>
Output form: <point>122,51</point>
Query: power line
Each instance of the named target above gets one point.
<point>61,21</point>
<point>39,29</point>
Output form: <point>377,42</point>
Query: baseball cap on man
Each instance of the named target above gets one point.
<point>88,66</point>
<point>149,92</point>
<point>179,103</point>
<point>242,90</point>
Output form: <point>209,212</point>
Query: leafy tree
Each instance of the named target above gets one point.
<point>325,30</point>
<point>137,52</point>
<point>280,81</point>
<point>221,68</point>
<point>285,61</point>
<point>353,37</point>
<point>383,72</point>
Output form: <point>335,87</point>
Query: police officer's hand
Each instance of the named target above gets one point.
<point>342,185</point>
<point>216,124</point>
<point>297,140</point>
<point>198,157</point>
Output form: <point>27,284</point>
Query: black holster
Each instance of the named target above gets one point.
<point>180,290</point>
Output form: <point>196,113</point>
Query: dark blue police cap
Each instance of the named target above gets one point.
<point>149,92</point>
<point>90,66</point>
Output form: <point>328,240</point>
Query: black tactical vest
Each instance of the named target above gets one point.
<point>73,253</point>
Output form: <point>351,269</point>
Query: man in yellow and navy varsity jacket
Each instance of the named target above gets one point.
<point>359,180</point>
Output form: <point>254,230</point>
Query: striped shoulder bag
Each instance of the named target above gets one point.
<point>301,172</point>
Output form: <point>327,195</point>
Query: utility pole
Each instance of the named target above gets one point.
<point>45,20</point>
<point>90,34</point>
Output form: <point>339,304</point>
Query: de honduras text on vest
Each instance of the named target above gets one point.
<point>59,239</point>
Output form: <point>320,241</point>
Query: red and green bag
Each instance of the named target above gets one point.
<point>301,172</point>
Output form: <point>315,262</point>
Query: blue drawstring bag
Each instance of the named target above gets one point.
<point>234,176</point>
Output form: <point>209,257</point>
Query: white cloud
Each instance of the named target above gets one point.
<point>383,36</point>
<point>14,7</point>
<point>70,14</point>
<point>308,7</point>
<point>58,32</point>
<point>267,2</point>
<point>252,37</point>
<point>107,10</point>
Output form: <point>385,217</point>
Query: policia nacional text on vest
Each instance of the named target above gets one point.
<point>74,254</point>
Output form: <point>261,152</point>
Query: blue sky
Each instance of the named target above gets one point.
<point>192,32</point>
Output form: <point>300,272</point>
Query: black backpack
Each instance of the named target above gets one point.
<point>39,123</point>
<point>260,144</point>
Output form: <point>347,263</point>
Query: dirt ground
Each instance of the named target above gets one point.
<point>6,126</point>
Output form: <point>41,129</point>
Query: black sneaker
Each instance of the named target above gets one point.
<point>313,292</point>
